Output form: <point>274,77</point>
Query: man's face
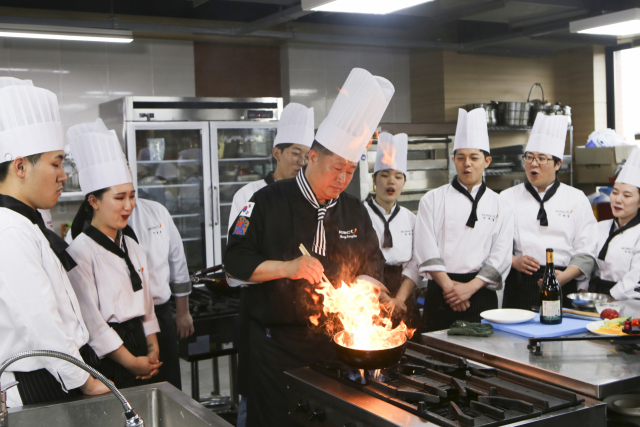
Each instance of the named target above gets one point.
<point>470,164</point>
<point>331,174</point>
<point>540,168</point>
<point>43,181</point>
<point>291,159</point>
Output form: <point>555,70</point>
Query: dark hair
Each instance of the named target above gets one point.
<point>375,174</point>
<point>321,149</point>
<point>85,213</point>
<point>283,147</point>
<point>4,167</point>
<point>486,153</point>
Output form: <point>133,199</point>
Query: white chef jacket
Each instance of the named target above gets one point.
<point>242,197</point>
<point>38,307</point>
<point>572,231</point>
<point>443,242</point>
<point>161,242</point>
<point>101,281</point>
<point>401,228</point>
<point>46,217</point>
<point>622,263</point>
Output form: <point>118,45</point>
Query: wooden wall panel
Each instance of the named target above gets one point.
<point>229,70</point>
<point>427,87</point>
<point>471,79</point>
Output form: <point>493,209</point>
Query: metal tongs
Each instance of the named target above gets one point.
<point>194,276</point>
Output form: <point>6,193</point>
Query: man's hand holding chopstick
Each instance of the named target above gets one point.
<point>305,267</point>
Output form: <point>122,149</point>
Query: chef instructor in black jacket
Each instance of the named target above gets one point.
<point>310,210</point>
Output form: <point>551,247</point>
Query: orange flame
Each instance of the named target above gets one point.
<point>367,326</point>
<point>388,154</point>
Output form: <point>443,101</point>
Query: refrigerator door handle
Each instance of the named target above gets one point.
<point>214,212</point>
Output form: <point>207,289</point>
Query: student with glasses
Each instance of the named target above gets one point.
<point>548,214</point>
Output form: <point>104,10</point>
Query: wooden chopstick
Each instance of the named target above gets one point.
<point>306,252</point>
<point>582,313</point>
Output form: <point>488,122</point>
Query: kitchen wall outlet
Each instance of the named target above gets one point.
<point>62,208</point>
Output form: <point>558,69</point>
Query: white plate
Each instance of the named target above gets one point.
<point>594,326</point>
<point>508,315</point>
<point>627,404</point>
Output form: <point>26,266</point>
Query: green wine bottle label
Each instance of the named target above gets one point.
<point>551,310</point>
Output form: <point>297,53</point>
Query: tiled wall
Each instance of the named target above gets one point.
<point>83,75</point>
<point>312,75</point>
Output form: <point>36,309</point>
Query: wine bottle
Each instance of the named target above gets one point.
<point>551,294</point>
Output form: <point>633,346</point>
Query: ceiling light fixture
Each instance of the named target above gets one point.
<point>65,33</point>
<point>621,24</point>
<point>378,7</point>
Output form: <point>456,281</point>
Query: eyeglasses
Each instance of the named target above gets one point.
<point>542,160</point>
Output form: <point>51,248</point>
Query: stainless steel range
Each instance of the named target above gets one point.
<point>432,388</point>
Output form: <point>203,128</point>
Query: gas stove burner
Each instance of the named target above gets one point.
<point>437,387</point>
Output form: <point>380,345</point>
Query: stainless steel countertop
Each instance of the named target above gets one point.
<point>594,368</point>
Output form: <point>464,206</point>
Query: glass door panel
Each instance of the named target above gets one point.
<point>244,156</point>
<point>169,169</point>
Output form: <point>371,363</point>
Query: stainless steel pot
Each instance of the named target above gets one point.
<point>490,109</point>
<point>513,113</point>
<point>536,105</point>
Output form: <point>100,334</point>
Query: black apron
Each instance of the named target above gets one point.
<point>522,291</point>
<point>601,286</point>
<point>132,334</point>
<point>393,281</point>
<point>41,387</point>
<point>280,349</point>
<point>438,315</point>
<point>168,347</point>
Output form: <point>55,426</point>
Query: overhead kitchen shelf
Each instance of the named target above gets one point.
<point>71,196</point>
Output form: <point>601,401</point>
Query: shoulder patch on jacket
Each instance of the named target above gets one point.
<point>241,226</point>
<point>246,211</point>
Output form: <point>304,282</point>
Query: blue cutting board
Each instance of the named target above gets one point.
<point>534,328</point>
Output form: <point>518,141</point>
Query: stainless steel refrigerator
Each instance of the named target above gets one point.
<point>192,155</point>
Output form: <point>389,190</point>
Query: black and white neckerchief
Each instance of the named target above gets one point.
<point>542,214</point>
<point>320,240</point>
<point>101,239</point>
<point>388,239</point>
<point>57,243</point>
<point>473,217</point>
<point>613,233</point>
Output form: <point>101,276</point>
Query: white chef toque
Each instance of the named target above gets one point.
<point>295,125</point>
<point>548,135</point>
<point>392,152</point>
<point>355,114</point>
<point>630,173</point>
<point>471,130</point>
<point>98,156</point>
<point>12,81</point>
<point>29,120</point>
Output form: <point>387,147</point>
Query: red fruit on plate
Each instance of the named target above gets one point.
<point>609,313</point>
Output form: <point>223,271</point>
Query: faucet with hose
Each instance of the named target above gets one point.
<point>132,418</point>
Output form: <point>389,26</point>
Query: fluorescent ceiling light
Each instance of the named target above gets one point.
<point>379,7</point>
<point>621,24</point>
<point>65,33</point>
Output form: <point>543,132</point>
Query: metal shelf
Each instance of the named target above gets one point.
<point>169,186</point>
<point>185,216</point>
<point>191,239</point>
<point>71,196</point>
<point>237,182</point>
<point>246,159</point>
<point>508,128</point>
<point>147,162</point>
<point>225,204</point>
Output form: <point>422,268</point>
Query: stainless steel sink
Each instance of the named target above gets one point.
<point>159,405</point>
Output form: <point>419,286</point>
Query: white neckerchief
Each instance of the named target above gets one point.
<point>319,241</point>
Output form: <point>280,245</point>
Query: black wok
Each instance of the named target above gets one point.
<point>369,359</point>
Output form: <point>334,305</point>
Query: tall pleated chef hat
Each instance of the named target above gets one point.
<point>29,120</point>
<point>392,152</point>
<point>98,156</point>
<point>12,81</point>
<point>471,130</point>
<point>295,125</point>
<point>355,114</point>
<point>630,173</point>
<point>548,135</point>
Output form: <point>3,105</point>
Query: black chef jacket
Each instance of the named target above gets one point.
<point>278,311</point>
<point>282,219</point>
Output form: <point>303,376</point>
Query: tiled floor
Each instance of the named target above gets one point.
<point>206,376</point>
